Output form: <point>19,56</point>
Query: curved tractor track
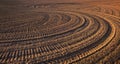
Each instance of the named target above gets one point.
<point>61,34</point>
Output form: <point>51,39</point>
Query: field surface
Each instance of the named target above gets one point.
<point>59,32</point>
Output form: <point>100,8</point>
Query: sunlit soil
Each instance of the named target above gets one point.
<point>79,32</point>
